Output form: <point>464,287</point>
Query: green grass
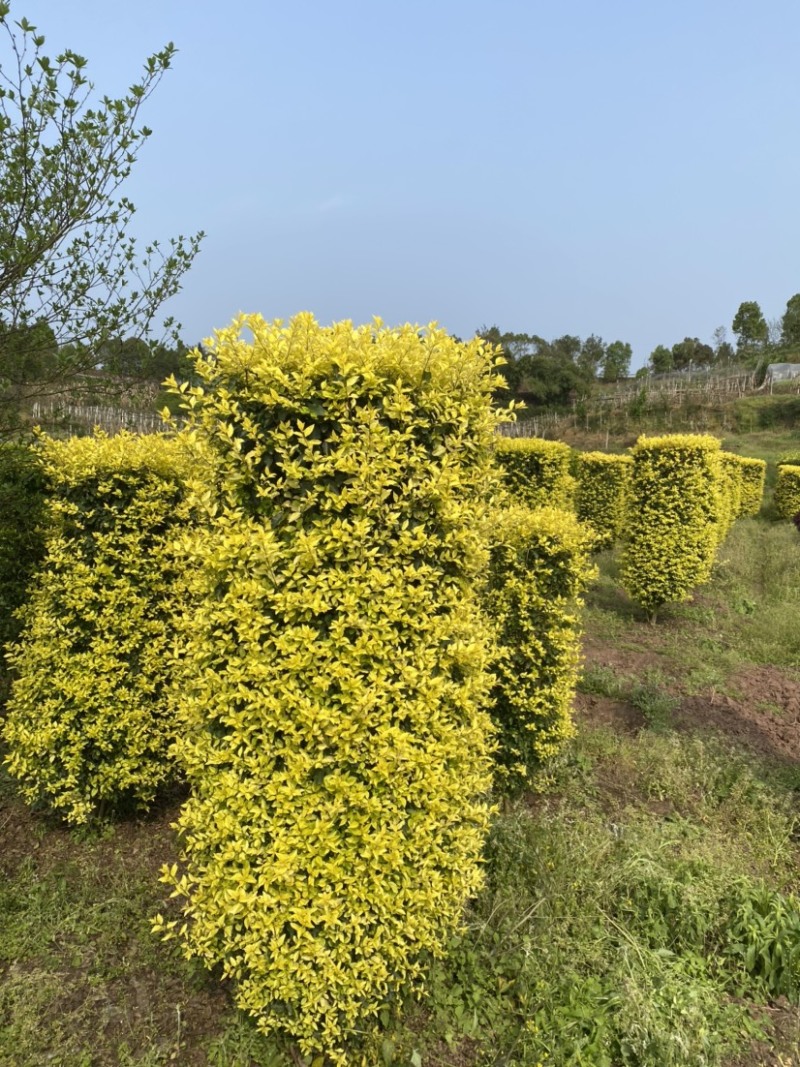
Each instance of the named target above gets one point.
<point>746,615</point>
<point>613,927</point>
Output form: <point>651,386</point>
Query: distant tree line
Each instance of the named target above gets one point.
<point>551,373</point>
<point>30,354</point>
<point>756,340</point>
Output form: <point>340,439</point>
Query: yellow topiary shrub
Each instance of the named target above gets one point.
<point>787,491</point>
<point>22,511</point>
<point>753,474</point>
<point>87,727</point>
<point>334,672</point>
<point>675,514</point>
<point>538,571</point>
<point>536,472</point>
<point>732,491</point>
<point>602,492</point>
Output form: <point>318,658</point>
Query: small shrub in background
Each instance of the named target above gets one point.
<point>732,491</point>
<point>334,676</point>
<point>675,515</point>
<point>537,472</point>
<point>87,727</point>
<point>753,473</point>
<point>787,491</point>
<point>22,512</point>
<point>602,490</point>
<point>539,568</point>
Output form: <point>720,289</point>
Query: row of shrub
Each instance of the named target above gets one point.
<point>109,533</point>
<point>595,485</point>
<point>685,494</point>
<point>672,500</point>
<point>308,604</point>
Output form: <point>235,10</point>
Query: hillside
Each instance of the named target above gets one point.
<point>719,405</point>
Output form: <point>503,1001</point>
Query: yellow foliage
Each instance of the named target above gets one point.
<point>537,472</point>
<point>538,571</point>
<point>602,493</point>
<point>753,473</point>
<point>87,725</point>
<point>676,512</point>
<point>787,491</point>
<point>334,668</point>
<point>732,491</point>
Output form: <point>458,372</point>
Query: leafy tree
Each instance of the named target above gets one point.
<point>723,349</point>
<point>166,361</point>
<point>549,380</point>
<point>538,371</point>
<point>591,355</point>
<point>567,347</point>
<point>774,332</point>
<point>726,353</point>
<point>661,361</point>
<point>790,322</point>
<point>129,357</point>
<point>616,361</point>
<point>750,326</point>
<point>691,352</point>
<point>67,264</point>
<point>703,354</point>
<point>133,358</point>
<point>31,350</point>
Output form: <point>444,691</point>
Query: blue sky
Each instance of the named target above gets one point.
<point>621,168</point>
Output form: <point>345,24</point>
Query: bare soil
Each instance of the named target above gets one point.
<point>760,708</point>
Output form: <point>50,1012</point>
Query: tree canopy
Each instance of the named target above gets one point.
<point>790,322</point>
<point>545,372</point>
<point>749,325</point>
<point>71,276</point>
<point>616,361</point>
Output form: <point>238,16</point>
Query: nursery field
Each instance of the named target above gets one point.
<point>639,906</point>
